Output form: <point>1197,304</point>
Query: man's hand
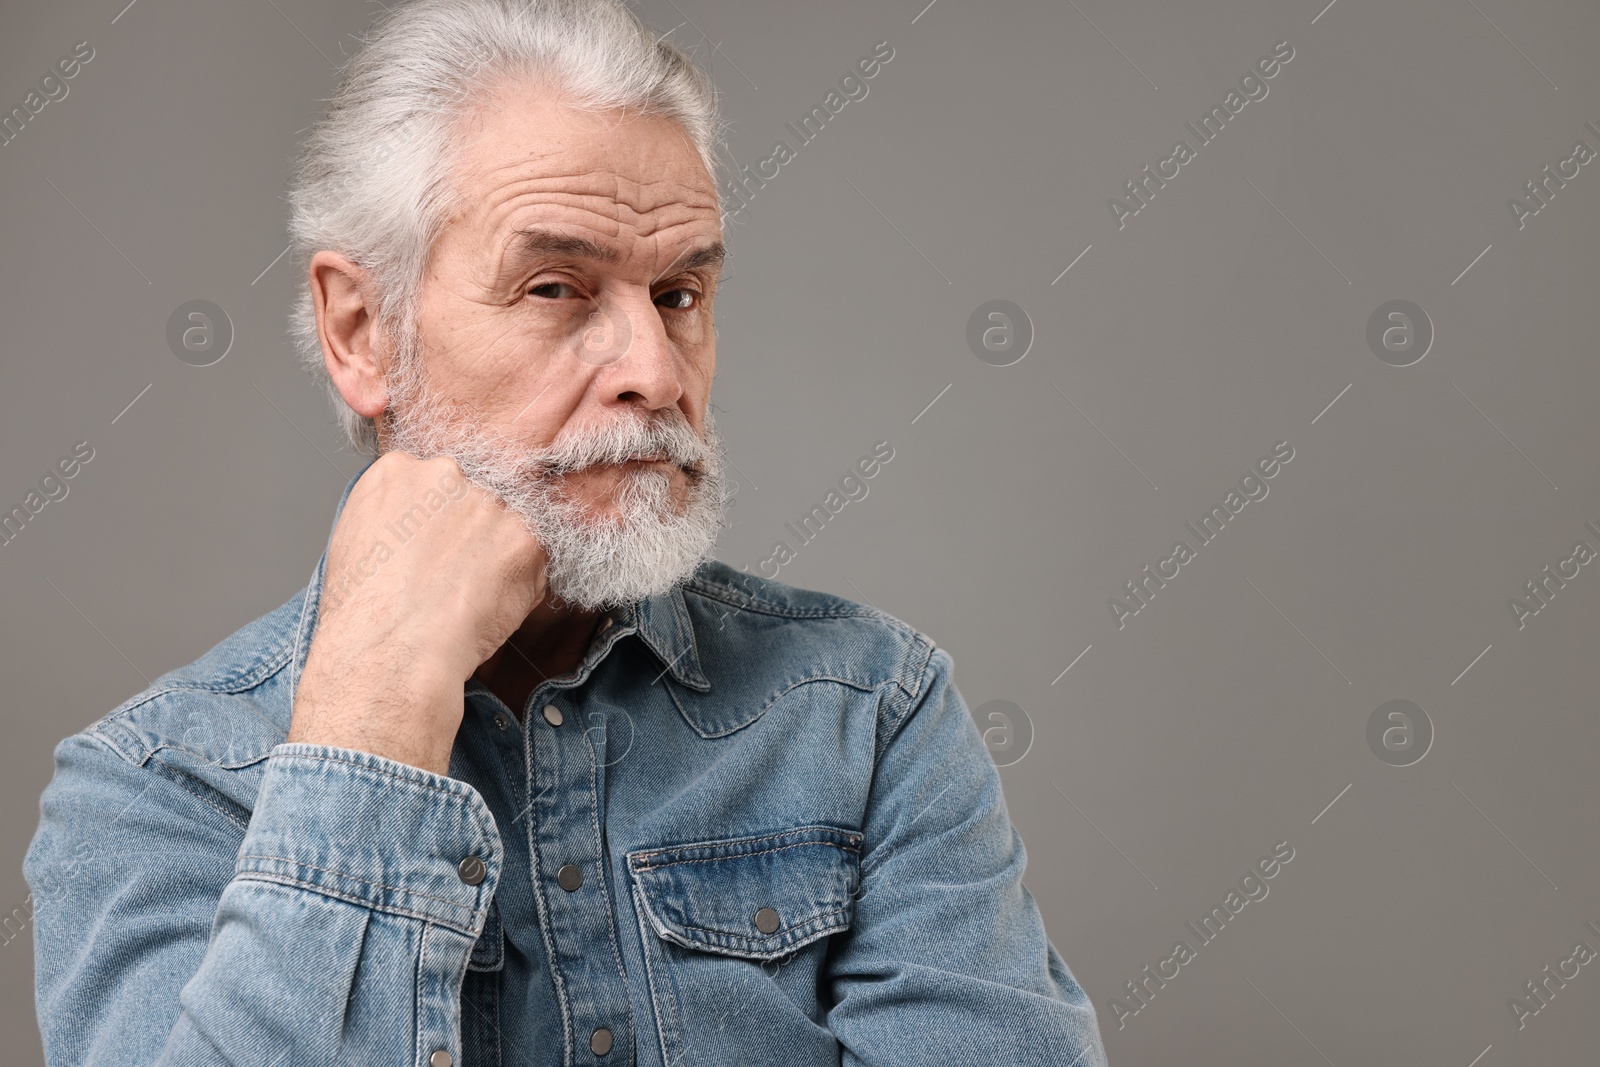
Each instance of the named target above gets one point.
<point>427,576</point>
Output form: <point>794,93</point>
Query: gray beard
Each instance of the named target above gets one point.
<point>595,564</point>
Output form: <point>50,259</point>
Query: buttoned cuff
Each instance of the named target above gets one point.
<point>360,827</point>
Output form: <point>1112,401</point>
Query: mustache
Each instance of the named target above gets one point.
<point>669,439</point>
<point>426,423</point>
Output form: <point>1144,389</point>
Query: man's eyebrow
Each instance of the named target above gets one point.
<point>530,244</point>
<point>711,255</point>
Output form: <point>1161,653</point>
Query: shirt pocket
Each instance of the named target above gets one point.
<point>735,941</point>
<point>754,897</point>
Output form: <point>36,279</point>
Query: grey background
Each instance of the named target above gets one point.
<point>1225,317</point>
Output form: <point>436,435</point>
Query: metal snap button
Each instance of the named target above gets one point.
<point>552,715</point>
<point>501,721</point>
<point>569,877</point>
<point>767,920</point>
<point>600,1041</point>
<point>440,1058</point>
<point>471,870</point>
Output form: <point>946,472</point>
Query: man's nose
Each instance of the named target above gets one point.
<point>639,362</point>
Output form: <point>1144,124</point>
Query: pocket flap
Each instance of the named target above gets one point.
<point>756,897</point>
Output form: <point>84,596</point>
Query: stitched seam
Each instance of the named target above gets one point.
<point>746,937</point>
<point>475,911</point>
<point>900,710</point>
<point>242,824</point>
<point>418,994</point>
<point>723,730</point>
<point>112,720</point>
<point>458,978</point>
<point>863,687</point>
<point>605,878</point>
<point>743,855</point>
<point>97,733</point>
<point>454,789</point>
<point>494,936</point>
<point>391,909</point>
<point>541,902</point>
<point>853,683</point>
<point>914,667</point>
<point>434,786</point>
<point>178,746</point>
<point>264,669</point>
<point>104,742</point>
<point>849,834</point>
<point>769,607</point>
<point>655,982</point>
<point>239,683</point>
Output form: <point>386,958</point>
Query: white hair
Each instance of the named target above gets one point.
<point>372,178</point>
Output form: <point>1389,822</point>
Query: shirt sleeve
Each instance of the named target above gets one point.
<point>330,924</point>
<point>947,959</point>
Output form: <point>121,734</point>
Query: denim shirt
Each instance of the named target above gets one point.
<point>757,826</point>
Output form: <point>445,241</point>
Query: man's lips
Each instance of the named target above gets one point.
<point>653,459</point>
<point>650,459</point>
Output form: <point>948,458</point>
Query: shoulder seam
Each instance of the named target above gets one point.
<point>914,668</point>
<point>262,670</point>
<point>115,718</point>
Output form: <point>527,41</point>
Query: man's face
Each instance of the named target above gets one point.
<point>565,332</point>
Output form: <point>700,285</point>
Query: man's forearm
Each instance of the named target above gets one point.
<point>342,935</point>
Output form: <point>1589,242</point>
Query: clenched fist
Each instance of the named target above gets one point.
<point>427,576</point>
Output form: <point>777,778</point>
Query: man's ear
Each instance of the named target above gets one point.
<point>346,325</point>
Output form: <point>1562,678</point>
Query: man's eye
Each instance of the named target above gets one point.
<point>543,290</point>
<point>678,299</point>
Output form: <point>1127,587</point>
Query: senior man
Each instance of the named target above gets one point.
<point>524,775</point>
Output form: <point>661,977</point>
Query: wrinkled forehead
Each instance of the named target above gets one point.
<point>526,157</point>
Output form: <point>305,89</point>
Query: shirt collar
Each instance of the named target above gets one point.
<point>662,622</point>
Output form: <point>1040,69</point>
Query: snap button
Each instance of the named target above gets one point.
<point>440,1058</point>
<point>501,721</point>
<point>600,1041</point>
<point>471,871</point>
<point>552,715</point>
<point>569,877</point>
<point>767,920</point>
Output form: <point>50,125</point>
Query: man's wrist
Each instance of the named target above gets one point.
<point>411,718</point>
